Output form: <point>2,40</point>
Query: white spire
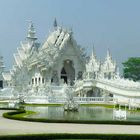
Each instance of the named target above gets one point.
<point>117,73</point>
<point>55,24</point>
<point>93,55</point>
<point>31,32</point>
<point>108,54</point>
<point>93,65</point>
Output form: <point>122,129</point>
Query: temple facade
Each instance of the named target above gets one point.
<point>43,72</point>
<point>57,61</point>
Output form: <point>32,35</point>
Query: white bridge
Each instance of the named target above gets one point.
<point>124,91</point>
<point>114,86</point>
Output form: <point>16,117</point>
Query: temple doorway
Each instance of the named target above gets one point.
<point>64,75</point>
<point>68,72</point>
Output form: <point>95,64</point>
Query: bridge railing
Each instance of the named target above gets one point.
<point>77,99</point>
<point>121,84</point>
<point>43,99</point>
<point>6,98</point>
<point>93,99</point>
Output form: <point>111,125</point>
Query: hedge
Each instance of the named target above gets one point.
<point>72,136</point>
<point>5,108</point>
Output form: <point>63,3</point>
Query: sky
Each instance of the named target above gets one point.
<point>113,24</point>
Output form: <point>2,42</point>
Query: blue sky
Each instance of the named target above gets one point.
<point>113,24</point>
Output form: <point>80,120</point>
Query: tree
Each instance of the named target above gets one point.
<point>131,68</point>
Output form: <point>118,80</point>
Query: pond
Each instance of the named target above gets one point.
<point>84,113</point>
<point>4,105</point>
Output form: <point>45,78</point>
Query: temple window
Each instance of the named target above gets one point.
<point>80,75</point>
<point>105,75</point>
<point>42,80</point>
<point>32,81</point>
<point>35,80</point>
<point>109,75</point>
<point>39,79</point>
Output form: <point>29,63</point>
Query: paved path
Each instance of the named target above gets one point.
<point>12,127</point>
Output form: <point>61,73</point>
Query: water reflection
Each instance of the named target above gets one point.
<point>84,113</point>
<point>3,105</point>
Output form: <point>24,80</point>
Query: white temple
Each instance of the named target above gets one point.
<point>42,70</point>
<point>58,60</point>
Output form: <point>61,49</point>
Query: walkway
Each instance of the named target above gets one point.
<point>11,127</point>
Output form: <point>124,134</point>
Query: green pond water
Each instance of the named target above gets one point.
<point>84,113</point>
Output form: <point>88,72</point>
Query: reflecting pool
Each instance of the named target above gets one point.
<point>84,113</point>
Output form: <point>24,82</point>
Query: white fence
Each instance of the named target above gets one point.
<point>63,100</point>
<point>93,99</point>
<point>45,99</point>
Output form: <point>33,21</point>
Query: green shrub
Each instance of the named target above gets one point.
<point>72,136</point>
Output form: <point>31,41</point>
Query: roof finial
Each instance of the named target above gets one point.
<point>108,54</point>
<point>93,51</point>
<point>31,32</point>
<point>55,23</point>
<point>117,72</point>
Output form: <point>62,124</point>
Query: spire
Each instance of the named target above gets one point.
<point>55,23</point>
<point>100,64</point>
<point>31,32</point>
<point>108,54</point>
<point>117,73</point>
<point>93,55</point>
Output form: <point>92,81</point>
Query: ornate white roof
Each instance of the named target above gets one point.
<point>93,64</point>
<point>109,65</point>
<point>1,64</point>
<point>1,67</point>
<point>31,53</point>
<point>57,38</point>
<point>7,76</point>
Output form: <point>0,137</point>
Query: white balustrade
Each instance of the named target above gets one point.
<point>39,99</point>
